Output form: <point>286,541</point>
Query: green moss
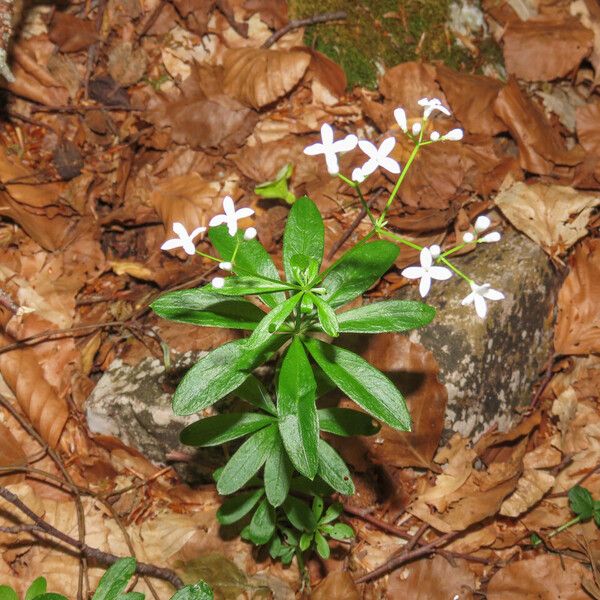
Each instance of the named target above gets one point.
<point>379,34</point>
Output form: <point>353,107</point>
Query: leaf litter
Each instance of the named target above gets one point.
<point>161,109</point>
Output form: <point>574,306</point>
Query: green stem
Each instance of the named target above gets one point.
<point>399,239</point>
<point>453,268</point>
<point>366,206</point>
<point>208,256</point>
<point>565,526</point>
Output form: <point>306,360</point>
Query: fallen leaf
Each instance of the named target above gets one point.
<point>273,12</point>
<point>578,323</point>
<point>531,488</point>
<point>588,127</point>
<point>338,585</point>
<point>135,269</point>
<point>126,64</point>
<point>11,455</point>
<point>545,49</point>
<point>257,77</point>
<point>555,217</point>
<point>70,33</point>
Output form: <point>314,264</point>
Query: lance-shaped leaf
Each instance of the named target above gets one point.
<point>346,422</point>
<point>327,317</point>
<point>238,506</point>
<point>278,474</point>
<point>244,285</point>
<point>251,258</point>
<point>333,470</point>
<point>255,393</point>
<point>218,373</point>
<point>204,307</point>
<point>361,382</point>
<point>304,234</point>
<point>262,526</point>
<point>357,270</point>
<point>273,321</point>
<point>388,316</point>
<point>298,422</point>
<point>219,429</point>
<point>246,461</point>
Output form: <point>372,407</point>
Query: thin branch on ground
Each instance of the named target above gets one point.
<point>296,24</point>
<point>99,556</point>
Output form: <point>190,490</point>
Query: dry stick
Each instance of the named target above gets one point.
<point>296,24</point>
<point>395,562</point>
<point>101,557</point>
<point>8,302</point>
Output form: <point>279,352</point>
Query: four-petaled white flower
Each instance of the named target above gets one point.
<point>330,148</point>
<point>426,272</point>
<point>184,239</point>
<point>231,216</point>
<point>379,157</point>
<point>479,294</point>
<point>431,105</point>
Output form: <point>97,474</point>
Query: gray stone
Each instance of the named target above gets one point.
<point>489,366</point>
<point>133,404</point>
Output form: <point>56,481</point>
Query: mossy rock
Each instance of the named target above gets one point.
<point>379,34</point>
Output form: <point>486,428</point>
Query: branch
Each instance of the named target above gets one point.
<point>297,23</point>
<point>99,556</point>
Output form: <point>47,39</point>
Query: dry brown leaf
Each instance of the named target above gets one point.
<point>588,127</point>
<point>11,455</point>
<point>471,99</point>
<point>414,370</point>
<point>545,577</point>
<point>531,488</point>
<point>273,12</point>
<point>588,12</point>
<point>553,216</point>
<point>326,72</point>
<point>257,77</point>
<point>541,148</point>
<point>126,64</point>
<point>541,50</point>
<point>578,324</point>
<point>338,585</point>
<point>135,269</point>
<point>432,579</point>
<point>70,33</point>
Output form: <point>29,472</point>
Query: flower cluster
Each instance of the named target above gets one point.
<point>230,217</point>
<point>434,264</point>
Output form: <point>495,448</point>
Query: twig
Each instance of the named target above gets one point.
<point>8,302</point>
<point>297,23</point>
<point>395,562</point>
<point>545,381</point>
<point>104,558</point>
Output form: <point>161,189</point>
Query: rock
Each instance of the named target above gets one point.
<point>133,404</point>
<point>489,366</point>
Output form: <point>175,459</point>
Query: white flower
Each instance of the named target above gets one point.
<point>400,117</point>
<point>378,157</point>
<point>488,238</point>
<point>454,135</point>
<point>434,136</point>
<point>416,128</point>
<point>482,223</point>
<point>250,233</point>
<point>184,239</point>
<point>226,266</point>
<point>330,148</point>
<point>231,216</point>
<point>479,294</point>
<point>358,175</point>
<point>431,105</point>
<point>435,250</point>
<point>468,237</point>
<point>218,282</point>
<point>426,272</point>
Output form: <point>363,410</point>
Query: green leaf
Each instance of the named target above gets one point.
<point>237,507</point>
<point>333,470</point>
<point>251,258</point>
<point>305,541</point>
<point>38,587</point>
<point>195,591</point>
<point>346,422</point>
<point>246,461</point>
<point>298,423</point>
<point>597,515</point>
<point>361,382</point>
<point>218,373</point>
<point>299,514</point>
<point>278,474</point>
<point>278,188</point>
<point>219,429</point>
<point>206,308</point>
<point>245,285</point>
<point>255,393</point>
<point>387,316</point>
<point>317,507</point>
<point>581,502</point>
<point>262,526</point>
<point>327,317</point>
<point>304,234</point>
<point>332,513</point>
<point>7,593</point>
<point>128,596</point>
<point>535,539</point>
<point>322,546</point>
<point>339,531</point>
<point>54,596</point>
<point>115,579</point>
<point>273,321</point>
<point>357,270</point>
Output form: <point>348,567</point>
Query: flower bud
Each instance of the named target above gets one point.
<point>435,136</point>
<point>435,250</point>
<point>482,223</point>
<point>494,236</point>
<point>218,282</point>
<point>250,233</point>
<point>454,135</point>
<point>416,128</point>
<point>226,266</point>
<point>468,237</point>
<point>400,116</point>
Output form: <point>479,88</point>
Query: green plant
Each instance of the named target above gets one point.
<point>284,430</point>
<point>110,587</point>
<point>278,188</point>
<point>583,505</point>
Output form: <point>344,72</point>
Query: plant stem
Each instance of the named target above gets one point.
<point>565,526</point>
